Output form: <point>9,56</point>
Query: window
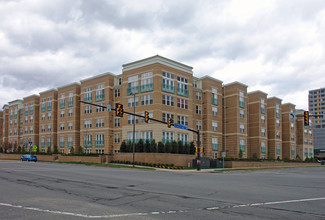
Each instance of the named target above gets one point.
<point>278,135</point>
<point>150,116</point>
<point>26,120</point>
<point>131,101</point>
<point>117,122</point>
<point>198,109</point>
<point>49,102</point>
<point>43,117</point>
<point>133,85</point>
<point>263,132</point>
<point>182,137</point>
<point>182,86</point>
<point>146,81</point>
<point>242,145</point>
<point>88,94</point>
<point>278,123</point>
<point>214,96</point>
<point>70,126</point>
<point>182,120</point>
<point>100,109</point>
<point>182,103</point>
<point>62,114</point>
<point>100,122</point>
<point>215,145</point>
<point>198,125</point>
<point>43,103</point>
<point>70,112</point>
<point>30,107</point>
<point>116,138</point>
<point>241,113</point>
<point>147,99</point>
<point>215,155</point>
<point>117,92</point>
<point>262,106</point>
<point>215,126</point>
<point>262,119</point>
<point>130,136</point>
<point>263,147</point>
<point>278,148</point>
<point>26,131</point>
<point>165,116</point>
<point>305,131</point>
<point>168,100</point>
<point>43,128</point>
<point>292,126</point>
<point>100,91</point>
<point>146,135</point>
<point>198,96</point>
<point>131,119</point>
<point>120,81</point>
<point>62,126</point>
<point>88,109</point>
<point>88,123</point>
<point>70,100</point>
<point>214,111</point>
<point>100,138</point>
<point>167,137</point>
<point>62,99</point>
<point>242,128</point>
<point>241,100</point>
<point>292,137</point>
<point>168,82</point>
<point>277,110</point>
<point>49,128</point>
<point>49,116</point>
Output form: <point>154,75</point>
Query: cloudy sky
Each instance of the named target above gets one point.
<point>273,46</point>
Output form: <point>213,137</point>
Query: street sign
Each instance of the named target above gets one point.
<point>176,125</point>
<point>109,107</point>
<point>35,148</point>
<point>292,116</point>
<point>223,154</point>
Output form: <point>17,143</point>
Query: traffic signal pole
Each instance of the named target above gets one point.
<point>197,132</point>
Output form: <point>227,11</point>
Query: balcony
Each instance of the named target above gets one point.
<point>62,105</point>
<point>215,101</point>
<point>263,110</point>
<point>99,97</point>
<point>69,143</point>
<point>26,112</point>
<point>61,144</point>
<point>48,144</point>
<point>99,143</point>
<point>42,109</point>
<point>277,115</point>
<point>49,107</point>
<point>146,87</point>
<point>31,111</point>
<point>132,90</point>
<point>168,88</point>
<point>42,144</point>
<point>87,143</point>
<point>241,104</point>
<point>88,99</point>
<point>242,147</point>
<point>215,146</point>
<point>182,92</point>
<point>70,103</point>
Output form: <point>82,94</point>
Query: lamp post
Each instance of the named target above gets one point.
<point>133,127</point>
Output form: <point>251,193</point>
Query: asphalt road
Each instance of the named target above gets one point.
<point>59,191</point>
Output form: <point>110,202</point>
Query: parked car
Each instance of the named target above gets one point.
<point>28,157</point>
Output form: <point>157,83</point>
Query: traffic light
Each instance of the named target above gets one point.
<point>169,122</point>
<point>201,149</point>
<point>119,110</point>
<point>146,116</point>
<point>306,118</point>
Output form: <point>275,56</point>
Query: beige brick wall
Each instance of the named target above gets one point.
<point>273,127</point>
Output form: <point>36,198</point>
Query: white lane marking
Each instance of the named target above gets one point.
<point>268,203</point>
<point>153,213</point>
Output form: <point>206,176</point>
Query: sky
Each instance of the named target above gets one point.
<point>274,46</point>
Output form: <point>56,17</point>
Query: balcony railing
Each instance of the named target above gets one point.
<point>42,109</point>
<point>42,144</point>
<point>168,88</point>
<point>146,87</point>
<point>242,147</point>
<point>30,112</point>
<point>49,107</point>
<point>70,103</point>
<point>61,144</point>
<point>241,104</point>
<point>88,99</point>
<point>69,143</point>
<point>99,97</point>
<point>215,146</point>
<point>87,143</point>
<point>182,92</point>
<point>132,90</point>
<point>215,101</point>
<point>99,143</point>
<point>263,110</point>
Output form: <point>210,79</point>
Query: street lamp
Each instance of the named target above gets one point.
<point>133,127</point>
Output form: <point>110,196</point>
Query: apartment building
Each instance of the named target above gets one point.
<point>1,127</point>
<point>257,125</point>
<point>96,124</point>
<point>164,88</point>
<point>288,131</point>
<point>208,114</point>
<point>274,127</point>
<point>316,102</point>
<point>15,113</point>
<point>29,130</point>
<point>5,127</point>
<point>235,116</point>
<point>304,134</point>
<point>68,118</point>
<point>48,120</point>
